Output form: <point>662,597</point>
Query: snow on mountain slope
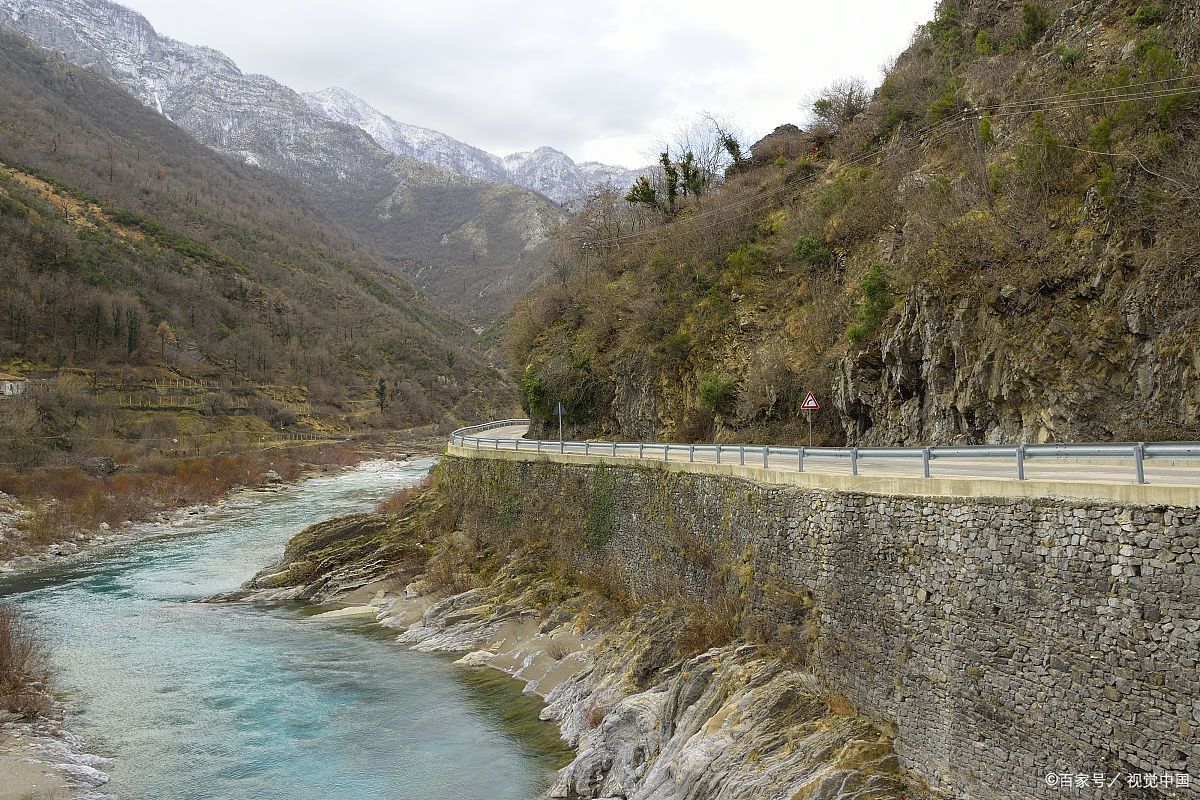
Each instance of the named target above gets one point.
<point>545,170</point>
<point>409,205</point>
<point>402,139</point>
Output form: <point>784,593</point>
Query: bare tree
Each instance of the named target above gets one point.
<point>839,102</point>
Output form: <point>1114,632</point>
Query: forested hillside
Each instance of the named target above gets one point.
<point>472,245</point>
<point>134,257</point>
<point>997,244</point>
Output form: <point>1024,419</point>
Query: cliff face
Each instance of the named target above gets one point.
<point>997,247</point>
<point>1012,367</point>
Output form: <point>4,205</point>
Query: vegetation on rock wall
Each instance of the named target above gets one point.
<point>998,246</point>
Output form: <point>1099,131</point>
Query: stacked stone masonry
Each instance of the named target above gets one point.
<point>1000,641</point>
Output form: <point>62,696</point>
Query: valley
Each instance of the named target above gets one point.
<point>847,449</point>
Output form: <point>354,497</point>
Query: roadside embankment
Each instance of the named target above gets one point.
<point>998,640</point>
<point>659,697</point>
<point>707,635</point>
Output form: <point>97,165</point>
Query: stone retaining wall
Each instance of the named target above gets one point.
<point>1000,640</point>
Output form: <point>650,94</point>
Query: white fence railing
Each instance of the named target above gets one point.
<point>1133,454</point>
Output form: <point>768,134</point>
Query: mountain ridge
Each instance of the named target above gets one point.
<point>545,169</point>
<point>416,214</point>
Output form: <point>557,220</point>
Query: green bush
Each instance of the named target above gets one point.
<point>811,250</point>
<point>747,255</point>
<point>1035,21</point>
<point>717,392</point>
<point>986,135</point>
<point>1168,109</point>
<point>946,32</point>
<point>947,105</point>
<point>983,44</point>
<point>1070,56</point>
<point>877,302</point>
<point>1106,186</point>
<point>1100,137</point>
<point>1148,15</point>
<point>781,162</point>
<point>678,345</point>
<point>533,393</point>
<point>1157,59</point>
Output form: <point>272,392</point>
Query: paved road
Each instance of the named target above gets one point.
<point>1183,473</point>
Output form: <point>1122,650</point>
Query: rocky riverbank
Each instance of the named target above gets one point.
<point>655,698</point>
<point>41,760</point>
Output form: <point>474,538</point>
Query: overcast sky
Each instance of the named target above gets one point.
<point>598,80</point>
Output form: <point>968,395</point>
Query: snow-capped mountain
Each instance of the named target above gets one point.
<point>556,175</point>
<point>402,139</point>
<point>416,206</point>
<point>546,170</point>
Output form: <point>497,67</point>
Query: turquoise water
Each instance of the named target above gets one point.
<point>220,702</point>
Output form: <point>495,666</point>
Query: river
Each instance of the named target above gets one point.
<point>234,702</point>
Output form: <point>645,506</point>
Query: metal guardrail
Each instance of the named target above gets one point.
<point>1137,453</point>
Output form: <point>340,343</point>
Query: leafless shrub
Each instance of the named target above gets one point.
<point>712,623</point>
<point>24,655</point>
<point>557,650</point>
<point>594,714</point>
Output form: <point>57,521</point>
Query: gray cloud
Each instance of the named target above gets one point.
<point>599,80</point>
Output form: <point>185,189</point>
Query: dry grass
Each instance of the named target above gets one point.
<point>401,499</point>
<point>66,499</point>
<point>557,650</point>
<point>24,656</point>
<point>594,714</point>
<point>710,624</point>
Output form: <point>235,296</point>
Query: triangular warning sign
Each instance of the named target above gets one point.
<point>810,403</point>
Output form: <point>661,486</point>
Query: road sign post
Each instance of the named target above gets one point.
<point>810,405</point>
<point>559,410</point>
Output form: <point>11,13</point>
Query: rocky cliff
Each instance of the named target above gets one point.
<point>995,246</point>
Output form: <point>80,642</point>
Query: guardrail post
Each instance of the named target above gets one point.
<point>853,460</point>
<point>925,461</point>
<point>742,455</point>
<point>614,449</point>
<point>1020,462</point>
<point>587,448</point>
<point>539,446</point>
<point>641,450</point>
<point>666,452</point>
<point>691,453</point>
<point>800,458</point>
<point>766,458</point>
<point>478,443</point>
<point>718,454</point>
<point>1139,458</point>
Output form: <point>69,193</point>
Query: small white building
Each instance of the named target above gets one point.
<point>13,385</point>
